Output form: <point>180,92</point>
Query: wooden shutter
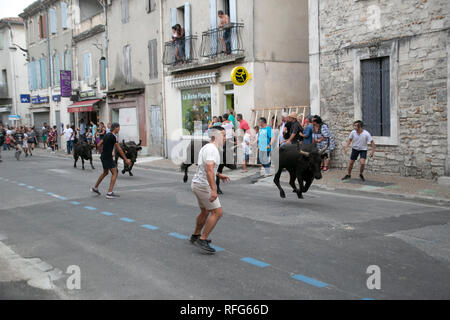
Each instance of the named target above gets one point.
<point>127,63</point>
<point>43,73</point>
<point>64,15</point>
<point>376,96</point>
<point>103,73</point>
<point>153,58</point>
<point>187,30</point>
<point>52,16</point>
<point>173,16</point>
<point>124,11</point>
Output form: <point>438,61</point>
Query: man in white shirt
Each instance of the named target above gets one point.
<point>284,119</point>
<point>204,188</point>
<point>361,138</point>
<point>69,136</point>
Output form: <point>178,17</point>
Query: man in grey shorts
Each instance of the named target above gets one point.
<point>204,188</point>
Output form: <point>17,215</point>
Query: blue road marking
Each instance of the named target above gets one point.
<point>91,208</point>
<point>368,299</point>
<point>178,236</point>
<point>218,249</point>
<point>255,262</point>
<point>22,184</point>
<point>126,220</point>
<point>311,281</point>
<point>109,214</point>
<point>150,227</point>
<point>51,194</point>
<point>30,187</point>
<point>40,190</point>
<point>61,198</point>
<point>76,203</point>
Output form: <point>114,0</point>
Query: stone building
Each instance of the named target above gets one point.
<point>387,63</point>
<point>134,97</point>
<point>269,38</point>
<point>13,68</point>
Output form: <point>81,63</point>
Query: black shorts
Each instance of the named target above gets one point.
<point>356,153</point>
<point>108,163</point>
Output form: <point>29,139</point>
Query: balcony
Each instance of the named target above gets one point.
<point>89,27</point>
<point>223,43</point>
<point>179,54</point>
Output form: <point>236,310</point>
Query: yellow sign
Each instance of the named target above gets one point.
<point>240,76</point>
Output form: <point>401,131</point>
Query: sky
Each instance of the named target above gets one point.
<point>12,8</point>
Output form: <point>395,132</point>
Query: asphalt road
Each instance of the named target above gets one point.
<point>135,247</point>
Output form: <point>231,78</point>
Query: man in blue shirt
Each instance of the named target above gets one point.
<point>308,131</point>
<point>264,145</point>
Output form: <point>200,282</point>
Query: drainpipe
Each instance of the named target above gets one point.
<point>163,80</point>
<point>13,68</point>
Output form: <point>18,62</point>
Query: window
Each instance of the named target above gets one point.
<point>4,82</point>
<point>375,78</point>
<point>56,69</point>
<point>87,66</point>
<point>103,73</point>
<point>32,75</point>
<point>37,74</point>
<point>67,60</point>
<point>150,5</point>
<point>125,16</point>
<point>153,58</point>
<point>127,63</point>
<point>42,27</point>
<point>52,20</point>
<point>196,110</point>
<point>64,15</point>
<point>43,74</point>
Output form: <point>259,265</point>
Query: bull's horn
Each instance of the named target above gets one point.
<point>140,142</point>
<point>306,154</point>
<point>123,141</point>
<point>326,148</point>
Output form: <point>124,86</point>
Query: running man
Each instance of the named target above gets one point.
<point>361,138</point>
<point>18,139</point>
<point>109,142</point>
<point>204,188</point>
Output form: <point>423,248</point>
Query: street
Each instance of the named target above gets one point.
<point>137,247</point>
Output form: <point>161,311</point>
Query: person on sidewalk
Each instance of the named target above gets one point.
<point>18,139</point>
<point>321,136</point>
<point>264,146</point>
<point>361,138</point>
<point>109,142</point>
<point>68,134</point>
<point>2,139</point>
<point>205,190</point>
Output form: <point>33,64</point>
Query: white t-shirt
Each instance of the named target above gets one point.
<point>228,129</point>
<point>361,141</point>
<point>208,153</point>
<point>246,144</point>
<point>68,134</point>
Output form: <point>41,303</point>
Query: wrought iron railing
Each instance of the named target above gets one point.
<point>181,51</point>
<point>225,41</point>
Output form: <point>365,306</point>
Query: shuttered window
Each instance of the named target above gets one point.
<point>37,74</point>
<point>42,27</point>
<point>64,15</point>
<point>57,70</point>
<point>127,63</point>
<point>67,60</point>
<point>43,73</point>
<point>52,21</point>
<point>153,58</point>
<point>1,40</point>
<point>125,16</point>
<point>102,73</point>
<point>150,5</point>
<point>87,66</point>
<point>376,109</point>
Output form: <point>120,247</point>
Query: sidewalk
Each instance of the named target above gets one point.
<point>377,185</point>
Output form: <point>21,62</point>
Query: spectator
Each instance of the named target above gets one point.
<point>178,40</point>
<point>264,145</point>
<point>45,135</point>
<point>82,130</point>
<point>224,24</point>
<point>321,135</point>
<point>2,139</point>
<point>308,130</point>
<point>360,138</point>
<point>228,126</point>
<point>247,148</point>
<point>231,117</point>
<point>294,130</point>
<point>283,129</point>
<point>69,136</point>
<point>89,136</point>
<point>243,125</point>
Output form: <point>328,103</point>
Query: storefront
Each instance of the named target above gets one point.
<point>196,110</point>
<point>88,110</point>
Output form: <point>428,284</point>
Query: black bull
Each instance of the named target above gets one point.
<point>303,163</point>
<point>84,151</point>
<point>192,157</point>
<point>131,150</point>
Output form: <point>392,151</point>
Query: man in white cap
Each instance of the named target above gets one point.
<point>294,129</point>
<point>284,119</point>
